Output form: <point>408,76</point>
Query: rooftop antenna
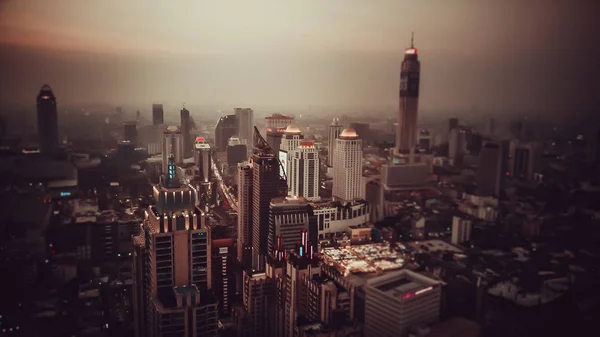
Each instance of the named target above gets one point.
<point>412,40</point>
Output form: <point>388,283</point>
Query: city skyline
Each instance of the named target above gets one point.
<point>343,55</point>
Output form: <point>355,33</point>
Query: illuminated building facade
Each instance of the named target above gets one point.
<point>397,301</point>
<point>47,120</point>
<point>223,273</point>
<point>172,264</point>
<point>347,166</point>
<point>407,133</point>
<point>289,142</point>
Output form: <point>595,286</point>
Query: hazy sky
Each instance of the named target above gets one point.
<point>508,54</point>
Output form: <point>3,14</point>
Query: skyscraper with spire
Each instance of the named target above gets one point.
<point>407,133</point>
<point>47,120</point>
<point>172,265</point>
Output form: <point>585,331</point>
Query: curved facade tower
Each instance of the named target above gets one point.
<point>407,133</point>
<point>47,120</point>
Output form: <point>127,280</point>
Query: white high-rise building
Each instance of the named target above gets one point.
<point>461,230</point>
<point>334,131</point>
<point>245,120</point>
<point>347,166</point>
<point>303,171</point>
<point>172,145</point>
<point>289,142</point>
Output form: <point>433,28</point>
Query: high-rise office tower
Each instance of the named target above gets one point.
<point>406,136</point>
<point>267,183</point>
<point>398,301</point>
<point>522,161</point>
<point>347,166</point>
<point>47,120</point>
<point>237,152</point>
<point>186,132</point>
<point>259,291</point>
<point>202,159</point>
<point>303,171</point>
<point>274,139</point>
<point>456,145</point>
<point>290,141</point>
<point>288,219</point>
<point>223,273</point>
<point>301,264</point>
<point>245,121</point>
<point>452,123</point>
<point>424,140</point>
<point>227,127</point>
<point>335,128</point>
<point>244,196</point>
<point>172,265</point>
<point>130,131</point>
<point>172,146</point>
<point>158,115</point>
<point>138,115</point>
<point>489,172</point>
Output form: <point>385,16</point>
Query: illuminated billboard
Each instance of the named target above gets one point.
<point>283,160</point>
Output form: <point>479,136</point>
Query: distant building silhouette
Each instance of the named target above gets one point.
<point>406,136</point>
<point>47,120</point>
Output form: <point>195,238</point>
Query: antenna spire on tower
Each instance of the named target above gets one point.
<point>412,39</point>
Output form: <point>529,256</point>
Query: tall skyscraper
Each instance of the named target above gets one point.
<point>227,127</point>
<point>244,196</point>
<point>335,128</point>
<point>303,171</point>
<point>489,172</point>
<point>237,152</point>
<point>202,159</point>
<point>290,141</point>
<point>347,166</point>
<point>185,132</point>
<point>158,115</point>
<point>223,273</point>
<point>245,120</point>
<point>267,183</point>
<point>47,120</point>
<point>172,265</point>
<point>277,122</point>
<point>456,145</point>
<point>172,146</point>
<point>406,136</point>
<point>452,123</point>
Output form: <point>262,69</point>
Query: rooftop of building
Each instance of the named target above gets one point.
<point>292,129</point>
<point>279,116</point>
<point>364,259</point>
<point>348,134</point>
<point>402,284</point>
<point>283,201</point>
<point>434,246</point>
